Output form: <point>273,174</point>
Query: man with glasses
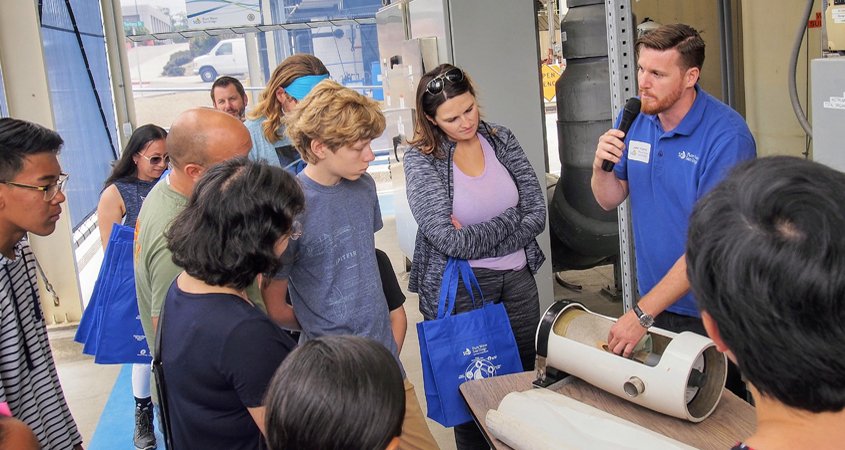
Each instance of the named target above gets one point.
<point>31,184</point>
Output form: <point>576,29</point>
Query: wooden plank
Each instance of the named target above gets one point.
<point>732,421</point>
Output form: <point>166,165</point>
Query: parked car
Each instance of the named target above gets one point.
<point>228,57</point>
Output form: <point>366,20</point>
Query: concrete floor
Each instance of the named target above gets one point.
<point>87,386</point>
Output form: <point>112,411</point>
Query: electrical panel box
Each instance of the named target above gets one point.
<point>835,25</point>
<point>828,108</point>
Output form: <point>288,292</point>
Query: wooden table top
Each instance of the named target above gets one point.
<point>732,421</point>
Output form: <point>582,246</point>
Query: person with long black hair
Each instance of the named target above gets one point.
<point>136,172</point>
<point>133,176</point>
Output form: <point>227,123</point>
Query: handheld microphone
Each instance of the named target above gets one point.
<point>631,111</point>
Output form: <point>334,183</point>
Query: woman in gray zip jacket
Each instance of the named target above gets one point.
<point>474,196</point>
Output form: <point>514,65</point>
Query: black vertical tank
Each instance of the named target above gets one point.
<point>583,234</point>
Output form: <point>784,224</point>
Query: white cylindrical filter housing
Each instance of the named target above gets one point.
<point>686,381</point>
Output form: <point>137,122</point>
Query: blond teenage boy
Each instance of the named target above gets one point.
<point>331,272</point>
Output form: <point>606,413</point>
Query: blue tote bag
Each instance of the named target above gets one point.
<point>110,328</point>
<point>89,326</point>
<point>467,346</point>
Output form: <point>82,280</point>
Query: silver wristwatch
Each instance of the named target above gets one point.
<point>646,320</point>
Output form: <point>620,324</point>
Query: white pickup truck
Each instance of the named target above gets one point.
<point>228,57</point>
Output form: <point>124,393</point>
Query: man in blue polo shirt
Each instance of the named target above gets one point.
<point>680,146</point>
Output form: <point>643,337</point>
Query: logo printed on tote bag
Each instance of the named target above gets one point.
<point>461,347</point>
<point>480,349</point>
<point>480,368</point>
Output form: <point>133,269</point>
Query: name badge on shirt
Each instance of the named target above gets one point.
<point>639,151</point>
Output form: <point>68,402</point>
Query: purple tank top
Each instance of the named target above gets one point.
<point>478,199</point>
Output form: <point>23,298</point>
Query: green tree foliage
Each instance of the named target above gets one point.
<point>201,45</point>
<point>175,67</point>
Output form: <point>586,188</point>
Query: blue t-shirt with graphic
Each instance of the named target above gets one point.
<point>333,276</point>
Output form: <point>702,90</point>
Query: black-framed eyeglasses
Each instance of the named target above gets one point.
<point>156,160</point>
<point>50,190</point>
<point>436,85</point>
<point>295,230</point>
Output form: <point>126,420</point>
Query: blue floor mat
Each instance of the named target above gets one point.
<point>117,422</point>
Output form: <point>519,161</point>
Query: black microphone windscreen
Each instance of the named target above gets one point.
<point>631,111</point>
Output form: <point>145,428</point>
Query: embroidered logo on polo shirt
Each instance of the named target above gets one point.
<point>688,156</point>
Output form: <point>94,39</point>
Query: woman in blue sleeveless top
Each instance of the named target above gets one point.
<point>143,161</point>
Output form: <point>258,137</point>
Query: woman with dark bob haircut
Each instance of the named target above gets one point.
<point>218,351</point>
<point>334,393</point>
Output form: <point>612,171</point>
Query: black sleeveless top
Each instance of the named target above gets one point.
<point>133,191</point>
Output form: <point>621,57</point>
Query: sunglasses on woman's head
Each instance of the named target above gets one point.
<point>436,85</point>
